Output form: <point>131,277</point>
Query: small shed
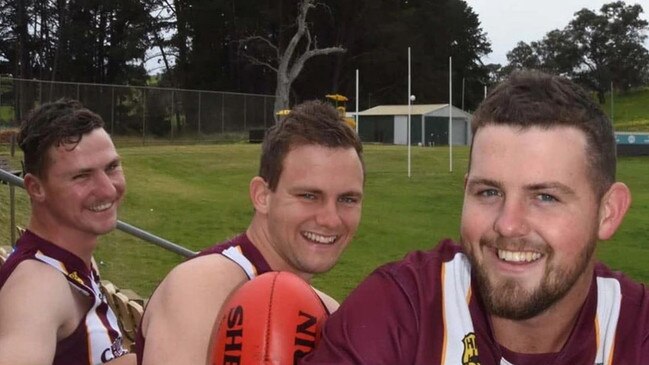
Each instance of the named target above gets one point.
<point>429,124</point>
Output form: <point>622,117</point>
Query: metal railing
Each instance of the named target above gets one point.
<point>14,180</point>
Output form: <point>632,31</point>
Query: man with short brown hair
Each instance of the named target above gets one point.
<point>307,201</point>
<point>523,286</point>
<point>51,307</point>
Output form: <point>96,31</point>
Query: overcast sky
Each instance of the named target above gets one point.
<point>507,22</point>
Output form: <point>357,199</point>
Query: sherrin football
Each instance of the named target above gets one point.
<point>274,318</point>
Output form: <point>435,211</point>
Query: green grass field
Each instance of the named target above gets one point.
<point>197,195</point>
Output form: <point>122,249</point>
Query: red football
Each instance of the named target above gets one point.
<point>275,318</point>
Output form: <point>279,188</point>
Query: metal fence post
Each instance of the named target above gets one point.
<point>265,116</point>
<point>222,113</point>
<point>173,115</point>
<point>13,144</point>
<point>245,115</point>
<point>112,110</point>
<point>199,112</point>
<point>12,213</point>
<point>143,116</point>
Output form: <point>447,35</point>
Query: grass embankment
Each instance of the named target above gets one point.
<point>630,111</point>
<point>197,195</point>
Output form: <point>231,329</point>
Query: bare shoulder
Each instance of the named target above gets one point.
<point>188,302</point>
<point>36,306</point>
<point>35,284</point>
<point>201,279</point>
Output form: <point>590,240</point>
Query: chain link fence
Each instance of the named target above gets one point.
<point>147,115</point>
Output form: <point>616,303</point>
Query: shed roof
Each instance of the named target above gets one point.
<point>417,109</point>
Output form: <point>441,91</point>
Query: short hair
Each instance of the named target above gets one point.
<point>61,122</point>
<point>310,123</point>
<point>530,98</point>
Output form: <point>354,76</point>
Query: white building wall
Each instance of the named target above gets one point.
<point>401,129</point>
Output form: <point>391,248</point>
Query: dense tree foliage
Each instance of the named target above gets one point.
<point>595,49</point>
<point>74,40</point>
<point>201,46</point>
<point>376,35</point>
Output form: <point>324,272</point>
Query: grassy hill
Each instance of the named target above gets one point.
<point>630,111</point>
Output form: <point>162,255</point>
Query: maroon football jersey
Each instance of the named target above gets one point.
<point>97,338</point>
<point>422,310</point>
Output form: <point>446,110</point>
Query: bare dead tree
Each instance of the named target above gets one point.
<point>287,63</point>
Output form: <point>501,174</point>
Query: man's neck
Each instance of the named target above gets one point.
<point>80,244</point>
<point>259,235</point>
<point>549,331</point>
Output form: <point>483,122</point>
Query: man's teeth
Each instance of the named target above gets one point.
<point>101,207</point>
<point>518,256</point>
<point>319,238</point>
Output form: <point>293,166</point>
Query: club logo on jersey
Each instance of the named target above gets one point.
<point>74,276</point>
<point>470,354</point>
<point>114,351</point>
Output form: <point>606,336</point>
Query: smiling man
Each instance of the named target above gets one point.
<point>51,308</point>
<point>307,203</point>
<point>523,286</point>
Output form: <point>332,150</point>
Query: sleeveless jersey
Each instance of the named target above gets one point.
<point>242,252</point>
<point>97,338</point>
<point>424,310</point>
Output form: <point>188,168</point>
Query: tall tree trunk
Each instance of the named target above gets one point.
<point>100,66</point>
<point>61,38</point>
<point>22,48</point>
<point>601,96</point>
<point>291,59</point>
<point>21,68</point>
<point>282,94</point>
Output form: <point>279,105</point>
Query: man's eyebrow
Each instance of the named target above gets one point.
<point>295,189</point>
<point>352,193</point>
<point>553,185</point>
<point>117,159</point>
<point>483,181</point>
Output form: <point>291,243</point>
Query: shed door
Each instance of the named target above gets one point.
<point>459,132</point>
<point>400,129</point>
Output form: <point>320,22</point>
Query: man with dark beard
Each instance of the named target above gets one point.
<point>523,287</point>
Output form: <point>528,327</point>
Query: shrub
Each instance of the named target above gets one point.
<point>6,134</point>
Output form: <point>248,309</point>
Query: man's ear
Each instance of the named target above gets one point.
<point>613,206</point>
<point>466,180</point>
<point>34,187</point>
<point>259,194</point>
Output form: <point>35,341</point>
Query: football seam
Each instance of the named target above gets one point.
<point>269,319</point>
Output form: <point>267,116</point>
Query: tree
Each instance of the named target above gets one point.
<point>288,61</point>
<point>593,49</point>
<point>237,45</point>
<point>74,40</point>
<point>611,45</point>
<point>524,56</point>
